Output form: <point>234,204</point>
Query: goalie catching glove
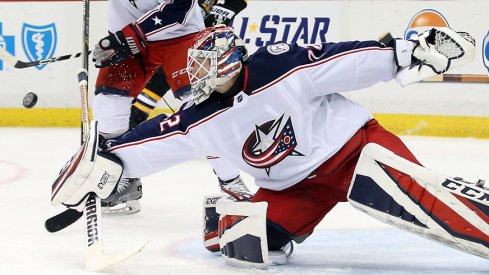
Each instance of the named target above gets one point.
<point>88,171</point>
<point>434,52</point>
<point>119,46</point>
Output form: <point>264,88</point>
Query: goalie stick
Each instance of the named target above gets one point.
<point>95,258</point>
<point>62,220</point>
<point>460,78</point>
<point>18,64</point>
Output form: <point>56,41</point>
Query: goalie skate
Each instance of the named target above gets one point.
<point>280,257</point>
<point>126,199</point>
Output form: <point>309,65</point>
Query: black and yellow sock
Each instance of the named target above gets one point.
<point>147,100</point>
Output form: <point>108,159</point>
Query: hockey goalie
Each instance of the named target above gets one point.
<point>397,191</point>
<point>279,116</point>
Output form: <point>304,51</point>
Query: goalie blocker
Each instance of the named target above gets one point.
<point>88,171</point>
<point>443,209</point>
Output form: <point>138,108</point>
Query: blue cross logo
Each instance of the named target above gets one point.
<point>7,42</point>
<point>485,51</point>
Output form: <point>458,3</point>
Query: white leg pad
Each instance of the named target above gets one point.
<point>243,234</point>
<point>437,207</point>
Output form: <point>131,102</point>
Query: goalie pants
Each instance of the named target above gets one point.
<point>300,208</point>
<point>130,76</point>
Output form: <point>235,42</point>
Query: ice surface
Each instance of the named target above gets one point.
<point>346,242</point>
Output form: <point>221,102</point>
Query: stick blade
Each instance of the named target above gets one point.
<point>96,260</point>
<point>62,220</point>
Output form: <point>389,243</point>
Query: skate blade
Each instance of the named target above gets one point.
<point>277,257</point>
<point>123,209</point>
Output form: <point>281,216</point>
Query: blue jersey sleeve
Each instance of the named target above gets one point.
<point>331,67</point>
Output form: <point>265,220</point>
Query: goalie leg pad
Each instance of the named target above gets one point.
<point>411,197</point>
<point>88,171</point>
<point>242,233</point>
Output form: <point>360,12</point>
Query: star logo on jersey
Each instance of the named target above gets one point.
<point>270,143</point>
<point>157,20</point>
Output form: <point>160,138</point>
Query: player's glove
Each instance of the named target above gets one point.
<point>219,15</point>
<point>224,13</point>
<point>236,189</point>
<point>116,47</point>
<point>206,6</point>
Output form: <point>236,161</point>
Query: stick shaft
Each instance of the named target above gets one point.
<point>463,78</point>
<point>93,217</point>
<point>13,62</point>
<point>85,120</point>
<point>86,34</point>
<point>83,74</point>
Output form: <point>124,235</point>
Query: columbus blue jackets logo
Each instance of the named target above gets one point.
<point>39,42</point>
<point>270,143</point>
<point>485,51</point>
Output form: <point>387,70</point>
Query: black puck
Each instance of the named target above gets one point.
<point>30,100</point>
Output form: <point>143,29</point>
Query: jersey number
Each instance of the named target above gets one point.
<point>169,122</point>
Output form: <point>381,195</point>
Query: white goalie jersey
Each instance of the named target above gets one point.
<point>265,130</point>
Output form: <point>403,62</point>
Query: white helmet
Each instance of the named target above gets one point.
<point>215,57</point>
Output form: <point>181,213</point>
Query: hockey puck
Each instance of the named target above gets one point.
<point>30,100</point>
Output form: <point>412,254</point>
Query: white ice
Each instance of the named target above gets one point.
<point>346,241</point>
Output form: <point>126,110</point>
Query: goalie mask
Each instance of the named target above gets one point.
<point>215,58</point>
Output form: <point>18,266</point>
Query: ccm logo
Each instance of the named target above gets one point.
<point>466,191</point>
<point>179,72</point>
